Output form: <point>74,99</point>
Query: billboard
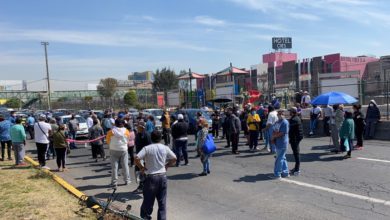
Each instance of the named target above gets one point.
<point>281,43</point>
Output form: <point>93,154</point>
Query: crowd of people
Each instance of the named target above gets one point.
<point>135,140</point>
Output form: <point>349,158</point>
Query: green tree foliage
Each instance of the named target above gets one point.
<point>107,87</point>
<point>130,98</point>
<point>63,99</point>
<point>88,98</point>
<point>164,80</point>
<point>13,103</point>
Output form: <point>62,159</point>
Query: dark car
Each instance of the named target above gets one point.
<point>190,117</point>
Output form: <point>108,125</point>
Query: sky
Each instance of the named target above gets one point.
<point>94,39</point>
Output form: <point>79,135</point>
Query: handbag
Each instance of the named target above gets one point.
<point>209,146</point>
<point>344,146</point>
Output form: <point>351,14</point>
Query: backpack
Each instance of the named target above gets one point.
<point>107,123</point>
<point>209,146</point>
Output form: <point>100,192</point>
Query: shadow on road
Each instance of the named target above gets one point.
<point>92,187</point>
<point>183,176</point>
<point>93,177</point>
<point>256,178</point>
<point>121,197</point>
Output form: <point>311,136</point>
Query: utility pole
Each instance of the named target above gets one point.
<point>47,76</point>
<point>190,75</point>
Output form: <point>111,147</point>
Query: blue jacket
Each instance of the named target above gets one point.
<point>5,130</point>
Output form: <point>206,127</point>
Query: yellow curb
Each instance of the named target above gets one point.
<point>61,181</point>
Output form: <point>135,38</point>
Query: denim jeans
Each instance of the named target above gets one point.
<point>269,135</point>
<point>313,124</point>
<point>50,150</point>
<point>181,150</point>
<point>281,167</point>
<point>206,163</point>
<point>155,187</point>
<point>72,145</point>
<point>19,152</point>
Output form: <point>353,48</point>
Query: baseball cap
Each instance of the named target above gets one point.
<point>180,116</point>
<point>42,116</point>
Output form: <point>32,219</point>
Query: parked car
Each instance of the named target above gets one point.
<point>82,132</point>
<point>190,117</point>
<point>156,112</point>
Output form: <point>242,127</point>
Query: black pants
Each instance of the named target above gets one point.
<point>9,146</point>
<point>228,140</point>
<point>359,135</point>
<point>234,139</point>
<point>215,130</point>
<point>41,151</point>
<point>61,157</point>
<point>326,126</point>
<point>181,150</point>
<point>130,150</point>
<point>97,149</point>
<point>166,135</point>
<point>30,130</point>
<point>253,139</point>
<point>155,188</point>
<point>296,150</point>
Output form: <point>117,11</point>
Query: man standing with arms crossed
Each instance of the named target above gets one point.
<point>155,156</point>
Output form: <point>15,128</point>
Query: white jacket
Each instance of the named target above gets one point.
<point>118,138</point>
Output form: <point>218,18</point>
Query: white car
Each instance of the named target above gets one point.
<point>156,113</point>
<point>83,127</point>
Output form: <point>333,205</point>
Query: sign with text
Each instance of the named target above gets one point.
<point>281,43</point>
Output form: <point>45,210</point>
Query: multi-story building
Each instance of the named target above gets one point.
<point>141,76</point>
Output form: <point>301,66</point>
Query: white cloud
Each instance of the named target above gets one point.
<point>304,16</point>
<point>114,38</point>
<point>207,20</point>
<point>148,18</point>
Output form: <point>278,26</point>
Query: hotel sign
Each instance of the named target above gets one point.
<point>281,43</point>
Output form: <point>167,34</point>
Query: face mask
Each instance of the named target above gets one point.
<point>371,105</point>
<point>253,112</point>
<point>13,115</point>
<point>280,117</point>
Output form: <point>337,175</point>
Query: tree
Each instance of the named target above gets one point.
<point>130,98</point>
<point>164,80</point>
<point>13,103</point>
<point>107,87</point>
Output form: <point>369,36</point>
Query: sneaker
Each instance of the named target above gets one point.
<point>347,156</point>
<point>297,173</point>
<point>273,177</point>
<point>286,176</point>
<point>186,164</point>
<point>311,133</point>
<point>46,167</point>
<point>266,149</point>
<point>138,190</point>
<point>127,182</point>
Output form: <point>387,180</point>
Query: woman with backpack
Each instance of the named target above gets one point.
<point>201,138</point>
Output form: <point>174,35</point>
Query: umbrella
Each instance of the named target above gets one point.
<point>331,98</point>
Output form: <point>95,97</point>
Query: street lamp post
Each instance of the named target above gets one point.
<point>190,75</point>
<point>47,76</point>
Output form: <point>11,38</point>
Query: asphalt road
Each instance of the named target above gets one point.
<point>239,188</point>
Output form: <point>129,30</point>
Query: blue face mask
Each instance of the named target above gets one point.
<point>253,112</point>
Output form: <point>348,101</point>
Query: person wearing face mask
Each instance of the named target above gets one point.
<point>280,138</point>
<point>253,122</point>
<point>373,116</point>
<point>295,136</point>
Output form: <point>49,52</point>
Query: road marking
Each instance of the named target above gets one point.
<point>339,192</point>
<point>370,159</point>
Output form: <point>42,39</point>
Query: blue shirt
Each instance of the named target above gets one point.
<point>149,126</point>
<point>5,130</point>
<point>12,120</point>
<point>282,126</point>
<point>30,120</point>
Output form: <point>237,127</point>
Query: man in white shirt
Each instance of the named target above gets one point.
<point>305,102</point>
<point>272,119</point>
<point>42,132</point>
<point>315,114</point>
<point>155,158</point>
<point>90,120</point>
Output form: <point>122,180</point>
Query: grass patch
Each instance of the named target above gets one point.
<point>27,193</point>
